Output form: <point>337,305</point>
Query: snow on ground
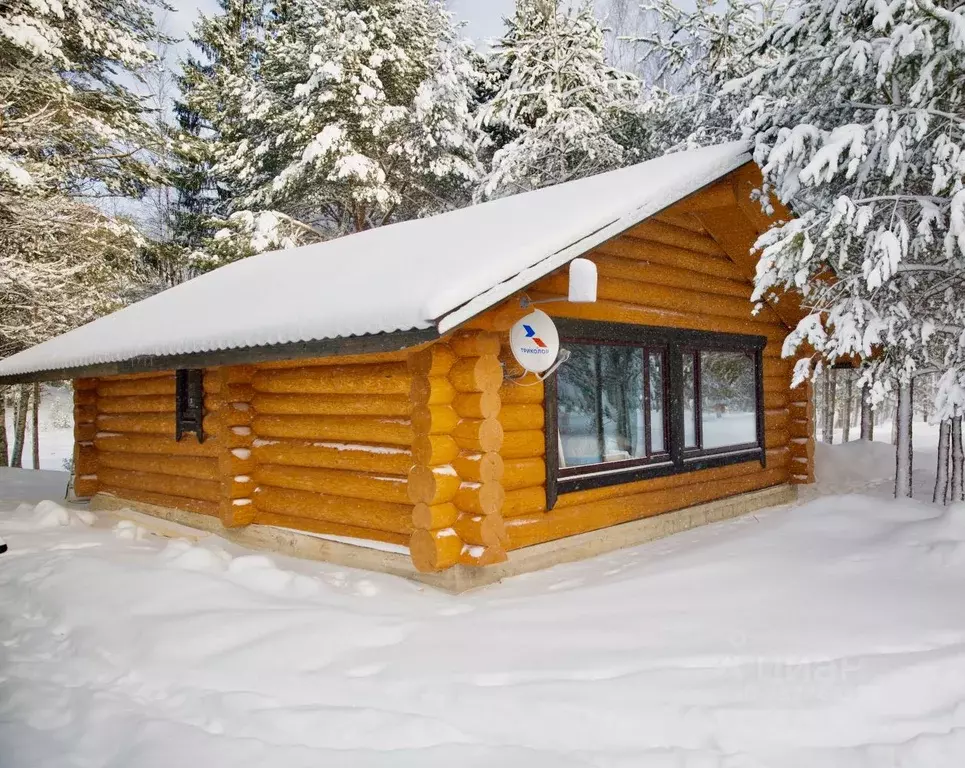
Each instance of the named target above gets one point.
<point>828,634</point>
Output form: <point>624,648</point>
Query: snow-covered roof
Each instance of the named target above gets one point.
<point>426,275</point>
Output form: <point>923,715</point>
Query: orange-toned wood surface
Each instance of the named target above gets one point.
<point>321,446</point>
<point>455,483</point>
<point>134,449</point>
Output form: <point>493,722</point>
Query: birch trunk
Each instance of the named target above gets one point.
<point>35,425</point>
<point>4,454</point>
<point>20,425</point>
<point>846,416</point>
<point>940,496</point>
<point>903,453</point>
<point>827,427</point>
<point>958,462</point>
<point>867,416</point>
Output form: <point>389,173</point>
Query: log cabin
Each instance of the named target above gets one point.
<point>360,392</point>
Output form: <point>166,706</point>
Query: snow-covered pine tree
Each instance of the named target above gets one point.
<point>69,129</point>
<point>361,115</point>
<point>559,112</point>
<point>692,53</point>
<point>214,86</point>
<point>858,118</point>
<point>55,277</point>
<point>700,49</point>
<point>68,124</point>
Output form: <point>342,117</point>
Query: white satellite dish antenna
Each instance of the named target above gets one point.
<point>535,342</point>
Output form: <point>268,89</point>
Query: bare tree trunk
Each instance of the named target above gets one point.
<point>827,428</point>
<point>20,425</point>
<point>958,462</point>
<point>846,416</point>
<point>904,414</point>
<point>894,426</point>
<point>4,455</point>
<point>867,415</point>
<point>940,496</point>
<point>35,424</point>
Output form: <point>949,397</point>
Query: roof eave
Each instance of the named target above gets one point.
<point>375,343</point>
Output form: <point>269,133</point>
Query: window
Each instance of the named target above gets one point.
<point>635,402</point>
<point>727,406</point>
<point>611,406</point>
<point>189,401</point>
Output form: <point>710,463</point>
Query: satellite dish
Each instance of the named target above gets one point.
<point>535,342</point>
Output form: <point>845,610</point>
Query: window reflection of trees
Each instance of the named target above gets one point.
<point>727,382</point>
<point>605,414</point>
<point>601,404</point>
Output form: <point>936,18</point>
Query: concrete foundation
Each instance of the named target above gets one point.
<point>177,523</point>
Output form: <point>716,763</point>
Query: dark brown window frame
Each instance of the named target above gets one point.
<point>189,385</point>
<point>677,459</point>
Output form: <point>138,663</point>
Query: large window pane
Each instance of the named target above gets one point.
<point>657,410</point>
<point>623,424</point>
<point>601,413</point>
<point>689,401</point>
<point>579,407</point>
<point>728,399</point>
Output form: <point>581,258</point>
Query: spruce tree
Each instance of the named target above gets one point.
<point>559,111</point>
<point>358,114</point>
<point>69,124</point>
<point>214,85</point>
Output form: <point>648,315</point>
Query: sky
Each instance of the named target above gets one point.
<point>483,18</point>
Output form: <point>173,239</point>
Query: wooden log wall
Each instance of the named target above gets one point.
<point>666,272</point>
<point>801,427</point>
<point>227,397</point>
<point>321,447</point>
<point>85,429</point>
<point>332,447</point>
<point>456,480</point>
<point>134,448</point>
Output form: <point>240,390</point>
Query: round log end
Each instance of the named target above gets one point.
<point>480,467</point>
<point>482,530</point>
<point>434,419</point>
<point>429,485</point>
<point>478,405</point>
<point>434,550</point>
<point>434,516</point>
<point>475,343</point>
<point>433,450</point>
<point>480,374</point>
<point>490,435</point>
<point>432,361</point>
